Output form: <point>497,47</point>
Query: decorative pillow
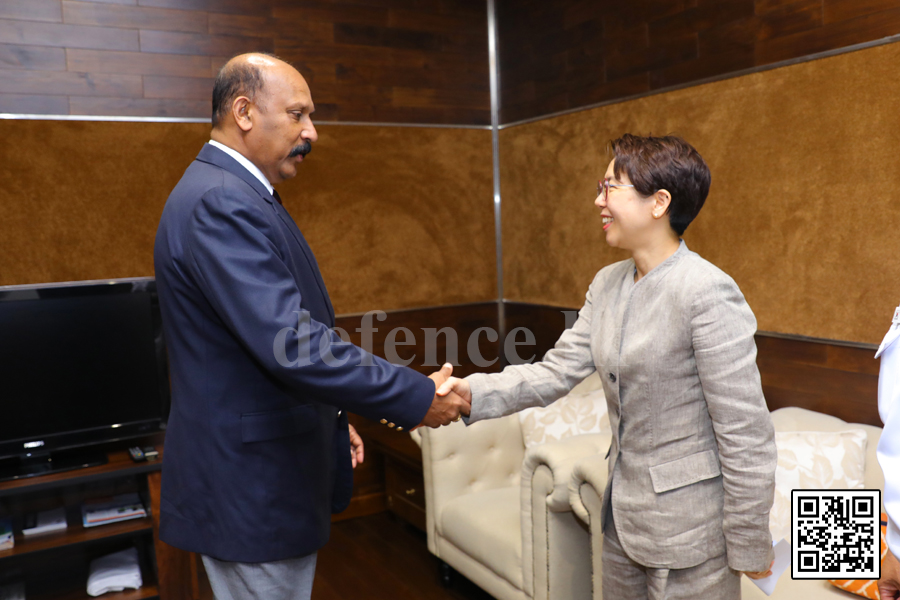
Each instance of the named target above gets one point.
<point>810,460</point>
<point>867,588</point>
<point>582,411</point>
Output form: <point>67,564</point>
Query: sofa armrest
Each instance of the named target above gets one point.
<point>546,515</point>
<point>559,459</point>
<point>459,459</point>
<point>586,487</point>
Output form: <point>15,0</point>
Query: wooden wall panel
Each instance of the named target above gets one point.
<point>565,54</point>
<point>834,378</point>
<point>349,52</point>
<point>82,200</point>
<point>800,212</point>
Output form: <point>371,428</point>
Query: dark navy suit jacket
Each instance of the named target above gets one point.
<point>257,448</point>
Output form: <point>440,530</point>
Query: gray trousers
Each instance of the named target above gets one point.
<point>290,579</point>
<point>624,578</point>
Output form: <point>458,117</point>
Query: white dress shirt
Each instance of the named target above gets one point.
<point>244,162</point>
<point>889,445</point>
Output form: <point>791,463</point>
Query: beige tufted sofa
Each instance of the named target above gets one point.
<point>500,516</point>
<point>589,476</point>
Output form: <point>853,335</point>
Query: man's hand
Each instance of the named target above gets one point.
<point>445,408</point>
<point>889,584</point>
<point>357,454</point>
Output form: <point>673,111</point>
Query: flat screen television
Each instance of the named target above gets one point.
<point>81,364</point>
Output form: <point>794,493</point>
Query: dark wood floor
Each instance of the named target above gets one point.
<point>381,557</point>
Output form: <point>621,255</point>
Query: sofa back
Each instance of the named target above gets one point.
<point>792,418</point>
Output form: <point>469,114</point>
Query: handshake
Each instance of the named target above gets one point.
<point>452,399</point>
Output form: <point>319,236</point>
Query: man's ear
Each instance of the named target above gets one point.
<point>240,110</point>
<point>661,201</point>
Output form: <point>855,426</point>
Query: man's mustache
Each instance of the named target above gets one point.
<point>301,150</point>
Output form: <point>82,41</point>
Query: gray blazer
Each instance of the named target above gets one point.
<point>692,460</point>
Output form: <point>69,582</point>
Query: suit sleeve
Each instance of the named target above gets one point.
<point>723,327</point>
<point>521,386</point>
<point>234,259</point>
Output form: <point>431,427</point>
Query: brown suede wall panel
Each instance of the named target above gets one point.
<point>399,217</point>
<point>82,200</point>
<point>802,210</point>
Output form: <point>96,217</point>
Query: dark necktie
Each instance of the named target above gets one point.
<point>277,197</point>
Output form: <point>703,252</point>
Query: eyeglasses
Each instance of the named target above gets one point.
<point>603,186</point>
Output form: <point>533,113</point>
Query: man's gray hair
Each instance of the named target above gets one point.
<point>235,78</point>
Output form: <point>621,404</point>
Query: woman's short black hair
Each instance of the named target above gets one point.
<point>669,163</point>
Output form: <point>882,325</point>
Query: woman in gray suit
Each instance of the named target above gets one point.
<point>692,460</point>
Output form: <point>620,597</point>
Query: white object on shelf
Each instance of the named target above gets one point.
<point>45,521</point>
<point>12,591</point>
<point>114,573</point>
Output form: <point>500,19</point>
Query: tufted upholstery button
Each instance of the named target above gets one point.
<point>612,377</point>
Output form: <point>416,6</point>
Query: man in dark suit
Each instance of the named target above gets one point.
<point>258,448</point>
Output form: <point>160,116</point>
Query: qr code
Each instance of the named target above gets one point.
<point>836,534</point>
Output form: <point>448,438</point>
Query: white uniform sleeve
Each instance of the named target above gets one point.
<point>889,445</point>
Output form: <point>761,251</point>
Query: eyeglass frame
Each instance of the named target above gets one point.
<point>603,186</point>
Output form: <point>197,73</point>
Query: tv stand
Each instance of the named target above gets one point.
<point>33,464</point>
<point>54,566</point>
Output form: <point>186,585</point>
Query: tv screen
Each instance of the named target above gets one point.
<point>80,364</point>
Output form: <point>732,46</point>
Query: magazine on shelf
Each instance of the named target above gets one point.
<point>7,540</point>
<point>46,521</point>
<point>120,508</point>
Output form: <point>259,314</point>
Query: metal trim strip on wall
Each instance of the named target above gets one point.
<point>494,70</point>
<point>32,117</point>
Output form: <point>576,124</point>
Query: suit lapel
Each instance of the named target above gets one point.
<point>212,155</point>
<point>307,253</point>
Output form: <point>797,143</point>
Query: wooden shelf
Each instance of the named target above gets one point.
<point>119,464</point>
<point>76,534</point>
<point>147,592</point>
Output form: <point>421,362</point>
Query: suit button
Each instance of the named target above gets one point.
<point>399,429</point>
<point>391,425</point>
<point>383,421</point>
<point>612,377</point>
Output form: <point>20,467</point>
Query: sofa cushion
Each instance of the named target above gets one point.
<point>793,418</point>
<point>486,526</point>
<point>814,460</point>
<point>583,410</point>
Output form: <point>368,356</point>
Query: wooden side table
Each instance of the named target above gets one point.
<point>403,479</point>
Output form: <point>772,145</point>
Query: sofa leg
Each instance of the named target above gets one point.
<point>446,574</point>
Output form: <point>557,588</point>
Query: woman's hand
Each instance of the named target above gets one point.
<point>759,574</point>
<point>459,386</point>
